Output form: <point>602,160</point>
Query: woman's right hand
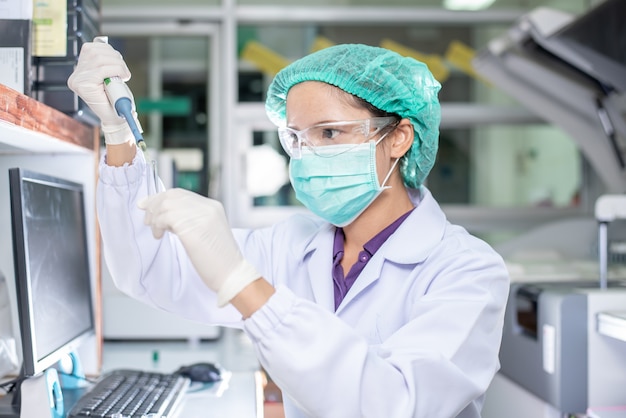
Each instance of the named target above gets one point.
<point>97,61</point>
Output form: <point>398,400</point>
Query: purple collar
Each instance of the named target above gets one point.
<point>343,282</point>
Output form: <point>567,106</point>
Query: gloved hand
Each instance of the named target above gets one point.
<point>201,225</point>
<point>96,62</point>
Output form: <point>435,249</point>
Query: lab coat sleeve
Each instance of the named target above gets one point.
<point>439,364</point>
<point>156,272</point>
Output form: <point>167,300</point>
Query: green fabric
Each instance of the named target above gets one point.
<point>387,80</point>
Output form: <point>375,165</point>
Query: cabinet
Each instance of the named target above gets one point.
<point>39,138</point>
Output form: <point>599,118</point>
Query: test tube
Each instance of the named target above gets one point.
<point>152,174</point>
<point>153,177</point>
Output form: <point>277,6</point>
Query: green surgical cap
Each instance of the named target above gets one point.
<point>383,78</point>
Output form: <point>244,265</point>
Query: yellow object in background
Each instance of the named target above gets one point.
<point>320,43</point>
<point>435,63</point>
<point>458,54</point>
<point>264,58</point>
<point>461,56</point>
<point>50,28</point>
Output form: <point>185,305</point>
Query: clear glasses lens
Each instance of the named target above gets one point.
<point>329,134</point>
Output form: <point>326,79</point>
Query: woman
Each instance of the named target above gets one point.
<point>372,306</point>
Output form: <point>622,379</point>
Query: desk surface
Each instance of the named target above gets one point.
<point>240,395</point>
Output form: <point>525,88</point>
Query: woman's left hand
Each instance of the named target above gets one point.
<point>201,225</point>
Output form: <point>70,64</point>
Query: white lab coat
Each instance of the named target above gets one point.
<point>417,335</point>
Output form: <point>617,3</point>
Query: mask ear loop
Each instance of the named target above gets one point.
<point>389,174</point>
<point>382,186</point>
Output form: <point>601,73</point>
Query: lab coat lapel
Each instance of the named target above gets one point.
<point>369,275</point>
<point>320,267</point>
<point>410,244</point>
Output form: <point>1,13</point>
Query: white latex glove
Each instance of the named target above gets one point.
<point>96,62</point>
<point>201,225</point>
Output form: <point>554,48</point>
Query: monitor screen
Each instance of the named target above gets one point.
<point>52,270</point>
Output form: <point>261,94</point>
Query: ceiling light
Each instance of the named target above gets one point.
<point>467,4</point>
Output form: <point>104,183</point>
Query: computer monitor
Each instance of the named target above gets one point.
<point>52,268</point>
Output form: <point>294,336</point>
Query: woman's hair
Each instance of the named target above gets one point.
<point>373,110</point>
<point>376,112</point>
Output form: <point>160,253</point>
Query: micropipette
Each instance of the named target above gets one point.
<point>118,93</point>
<point>120,97</point>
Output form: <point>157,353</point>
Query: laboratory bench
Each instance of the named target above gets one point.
<point>240,394</point>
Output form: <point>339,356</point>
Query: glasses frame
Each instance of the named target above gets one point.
<point>286,135</point>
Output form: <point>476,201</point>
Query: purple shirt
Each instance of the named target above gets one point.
<point>343,283</point>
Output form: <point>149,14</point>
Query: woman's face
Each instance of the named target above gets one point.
<point>312,102</point>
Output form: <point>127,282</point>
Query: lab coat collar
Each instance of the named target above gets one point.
<point>320,254</point>
<point>419,234</point>
<point>412,242</point>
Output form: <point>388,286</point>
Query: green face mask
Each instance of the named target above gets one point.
<point>339,188</point>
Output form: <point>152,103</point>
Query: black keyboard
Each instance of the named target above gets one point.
<point>132,393</point>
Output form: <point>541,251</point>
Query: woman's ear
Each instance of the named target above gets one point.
<point>402,138</point>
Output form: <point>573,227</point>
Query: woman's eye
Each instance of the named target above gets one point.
<point>330,133</point>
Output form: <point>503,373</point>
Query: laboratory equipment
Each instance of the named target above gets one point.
<point>555,342</point>
<point>551,347</point>
<point>122,100</point>
<point>119,96</point>
<point>608,208</point>
<point>570,71</point>
<point>561,339</point>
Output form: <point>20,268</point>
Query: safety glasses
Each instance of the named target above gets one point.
<point>324,138</point>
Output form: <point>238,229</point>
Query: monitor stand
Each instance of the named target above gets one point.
<point>8,406</point>
<point>71,372</point>
<point>42,398</point>
<point>73,380</point>
<point>49,394</point>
